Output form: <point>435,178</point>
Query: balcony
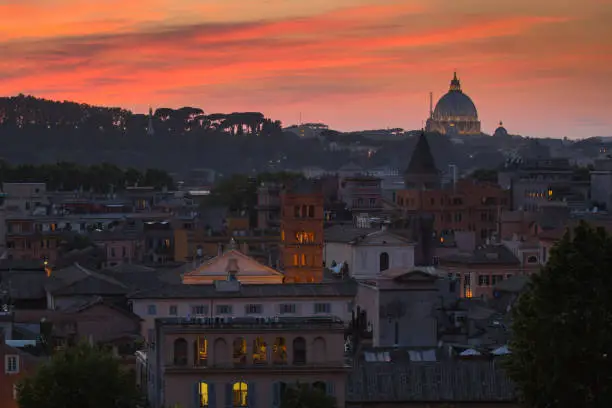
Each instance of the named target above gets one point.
<point>327,366</point>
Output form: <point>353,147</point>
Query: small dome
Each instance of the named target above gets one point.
<point>501,130</point>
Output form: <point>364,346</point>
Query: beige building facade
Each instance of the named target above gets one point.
<point>242,362</point>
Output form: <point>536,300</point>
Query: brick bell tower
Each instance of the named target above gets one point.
<point>302,217</point>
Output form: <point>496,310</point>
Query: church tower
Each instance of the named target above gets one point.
<point>422,173</point>
<point>302,215</point>
<point>150,129</point>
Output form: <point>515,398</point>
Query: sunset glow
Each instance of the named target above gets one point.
<point>543,67</point>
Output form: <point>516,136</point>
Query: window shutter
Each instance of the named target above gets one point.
<point>330,389</point>
<point>251,396</point>
<point>196,394</point>
<point>228,396</point>
<point>276,394</point>
<point>212,396</point>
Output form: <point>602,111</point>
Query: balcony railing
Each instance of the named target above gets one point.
<point>342,364</point>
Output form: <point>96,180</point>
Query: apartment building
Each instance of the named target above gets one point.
<point>231,298</point>
<point>241,362</point>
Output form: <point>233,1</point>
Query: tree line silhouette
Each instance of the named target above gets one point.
<point>27,111</point>
<point>103,178</point>
<point>39,131</point>
<point>184,139</point>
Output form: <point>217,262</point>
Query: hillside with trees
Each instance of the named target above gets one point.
<point>39,131</point>
<point>100,178</point>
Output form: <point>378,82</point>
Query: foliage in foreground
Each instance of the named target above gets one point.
<point>305,396</point>
<point>562,326</point>
<point>81,376</point>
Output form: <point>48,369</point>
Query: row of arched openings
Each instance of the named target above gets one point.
<point>278,353</point>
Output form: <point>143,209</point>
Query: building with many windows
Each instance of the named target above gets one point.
<point>233,299</point>
<point>241,362</point>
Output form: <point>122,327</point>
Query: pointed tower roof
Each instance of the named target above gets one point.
<point>422,161</point>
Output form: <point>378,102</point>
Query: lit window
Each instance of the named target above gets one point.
<point>203,391</point>
<point>279,351</point>
<point>240,392</point>
<point>239,354</point>
<point>11,364</point>
<point>305,237</point>
<point>303,260</point>
<point>295,260</point>
<point>201,351</point>
<point>260,351</point>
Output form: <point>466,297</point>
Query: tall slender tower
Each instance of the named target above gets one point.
<point>150,129</point>
<point>302,215</point>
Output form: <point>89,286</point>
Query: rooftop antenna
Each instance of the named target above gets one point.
<point>430,105</point>
<point>300,123</point>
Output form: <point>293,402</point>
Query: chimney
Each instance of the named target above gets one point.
<point>232,269</point>
<point>244,248</point>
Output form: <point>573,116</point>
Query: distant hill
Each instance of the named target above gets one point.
<point>39,131</point>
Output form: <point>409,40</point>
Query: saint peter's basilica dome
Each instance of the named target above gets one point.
<point>455,113</point>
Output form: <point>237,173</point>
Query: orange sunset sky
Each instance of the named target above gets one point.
<point>544,67</point>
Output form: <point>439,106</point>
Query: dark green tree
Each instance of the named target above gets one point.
<point>486,175</point>
<point>81,376</point>
<point>562,326</point>
<point>306,396</point>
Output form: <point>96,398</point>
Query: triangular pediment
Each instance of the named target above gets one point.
<point>382,238</point>
<point>415,276</point>
<point>218,266</point>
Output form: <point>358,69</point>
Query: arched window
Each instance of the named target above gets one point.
<point>279,351</point>
<point>260,351</point>
<point>180,351</point>
<point>239,354</point>
<point>311,211</point>
<point>299,350</point>
<point>384,261</point>
<point>221,352</point>
<point>319,350</point>
<point>200,351</point>
<point>240,394</point>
